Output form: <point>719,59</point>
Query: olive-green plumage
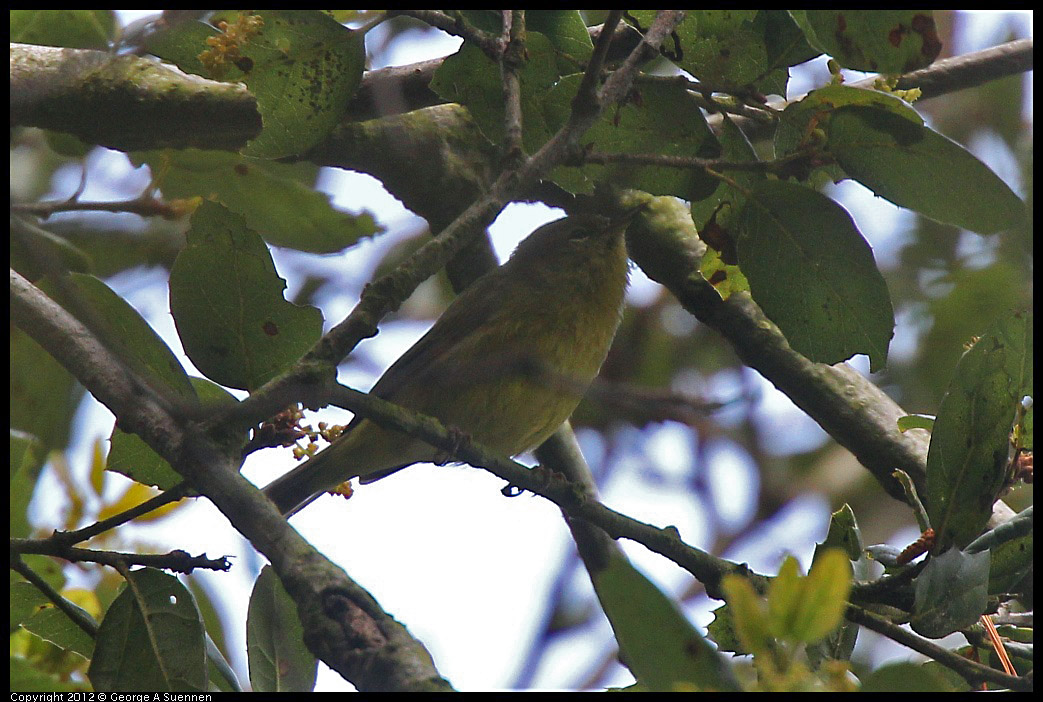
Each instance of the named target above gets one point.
<point>506,363</point>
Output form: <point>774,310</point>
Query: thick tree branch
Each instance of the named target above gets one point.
<point>127,102</point>
<point>131,103</point>
<point>346,627</point>
<point>856,413</point>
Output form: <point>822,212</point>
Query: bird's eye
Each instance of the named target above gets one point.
<point>580,233</point>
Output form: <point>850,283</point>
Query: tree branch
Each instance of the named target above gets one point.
<point>339,616</point>
<point>969,670</point>
<point>67,538</point>
<point>131,103</point>
<point>512,59</point>
<point>575,499</point>
<point>127,102</point>
<point>328,601</point>
<point>490,44</point>
<point>177,561</point>
<point>386,294</point>
<point>74,613</point>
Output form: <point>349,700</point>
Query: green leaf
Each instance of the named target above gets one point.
<point>35,251</point>
<point>228,305</point>
<point>568,34</point>
<point>660,119</point>
<point>916,167</point>
<point>279,660</point>
<point>815,108</point>
<point>735,49</point>
<point>824,597</point>
<point>915,421</point>
<point>46,567</point>
<point>786,46</point>
<point>660,646</point>
<point>25,599</point>
<point>951,593</point>
<point>967,459</point>
<point>304,68</point>
<point>125,332</point>
<point>784,597</point>
<point>1012,562</point>
<point>151,639</point>
<point>747,615</point>
<point>72,29</point>
<point>907,677</point>
<point>720,47</point>
<point>44,396</point>
<point>27,457</point>
<point>722,632</point>
<point>129,455</point>
<point>843,534</point>
<point>884,41</point>
<point>183,43</point>
<point>275,201</point>
<point>813,274</point>
<point>802,122</point>
<point>807,609</point>
<point>53,625</point>
<point>470,78</point>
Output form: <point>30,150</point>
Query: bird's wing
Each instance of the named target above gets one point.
<point>470,310</point>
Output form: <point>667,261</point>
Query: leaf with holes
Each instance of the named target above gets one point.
<point>151,639</point>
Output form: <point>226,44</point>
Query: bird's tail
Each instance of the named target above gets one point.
<point>295,490</point>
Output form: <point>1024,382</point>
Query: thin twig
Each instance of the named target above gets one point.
<point>672,161</point>
<point>456,25</point>
<point>77,615</point>
<point>311,373</point>
<point>969,670</point>
<point>618,84</point>
<point>393,660</point>
<point>592,75</point>
<point>178,561</point>
<point>703,96</point>
<point>68,538</point>
<point>145,206</point>
<point>572,499</point>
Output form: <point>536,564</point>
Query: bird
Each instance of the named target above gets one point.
<point>505,364</point>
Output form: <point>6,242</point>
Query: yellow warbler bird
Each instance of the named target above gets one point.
<point>506,363</point>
